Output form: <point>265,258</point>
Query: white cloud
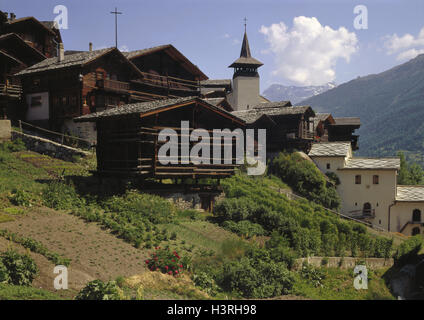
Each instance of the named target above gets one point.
<point>307,53</point>
<point>406,47</point>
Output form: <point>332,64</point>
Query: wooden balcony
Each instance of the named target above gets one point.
<point>10,90</point>
<point>362,214</point>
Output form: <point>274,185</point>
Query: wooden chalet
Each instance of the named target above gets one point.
<point>127,138</point>
<point>59,89</point>
<point>329,129</point>
<point>23,43</point>
<point>165,72</point>
<point>287,127</point>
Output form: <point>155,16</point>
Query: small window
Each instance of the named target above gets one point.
<point>328,166</point>
<point>415,231</point>
<point>375,179</point>
<point>416,215</point>
<point>358,179</point>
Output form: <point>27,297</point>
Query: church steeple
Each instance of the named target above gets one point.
<point>245,93</point>
<point>246,62</point>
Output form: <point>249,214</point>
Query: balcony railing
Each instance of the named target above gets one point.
<point>12,90</point>
<point>363,214</point>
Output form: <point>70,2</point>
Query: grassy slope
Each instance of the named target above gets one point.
<point>196,236</point>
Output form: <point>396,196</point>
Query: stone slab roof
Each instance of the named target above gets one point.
<point>138,53</point>
<point>279,104</point>
<point>352,121</point>
<point>330,149</point>
<point>251,115</point>
<point>144,107</point>
<point>70,60</point>
<point>410,193</point>
<point>373,163</point>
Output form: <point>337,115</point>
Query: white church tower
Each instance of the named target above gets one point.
<point>245,94</point>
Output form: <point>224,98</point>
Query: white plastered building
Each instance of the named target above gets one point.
<point>368,188</point>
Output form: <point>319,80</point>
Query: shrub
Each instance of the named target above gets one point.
<point>234,209</point>
<point>245,228</point>
<point>305,178</point>
<point>21,269</point>
<point>257,277</point>
<point>99,290</point>
<point>206,283</point>
<point>165,261</point>
<point>314,275</point>
<point>61,196</point>
<point>13,146</point>
<point>135,205</point>
<point>408,250</point>
<point>20,198</point>
<point>4,274</point>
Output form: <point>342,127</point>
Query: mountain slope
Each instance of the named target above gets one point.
<point>278,92</point>
<point>390,105</point>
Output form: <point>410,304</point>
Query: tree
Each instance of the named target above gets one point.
<point>409,174</point>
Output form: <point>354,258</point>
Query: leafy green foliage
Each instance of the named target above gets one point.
<point>408,250</point>
<point>99,290</point>
<point>305,179</point>
<point>314,275</point>
<point>244,228</point>
<point>205,282</point>
<point>61,196</point>
<point>21,198</point>
<point>36,247</point>
<point>165,261</point>
<point>409,174</point>
<point>307,228</point>
<point>21,269</point>
<point>13,146</point>
<point>257,276</point>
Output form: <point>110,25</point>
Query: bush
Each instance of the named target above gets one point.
<point>20,198</point>
<point>135,205</point>
<point>99,290</point>
<point>245,228</point>
<point>257,276</point>
<point>305,178</point>
<point>407,252</point>
<point>4,274</point>
<point>61,196</point>
<point>314,275</point>
<point>165,261</point>
<point>206,283</point>
<point>234,209</point>
<point>21,269</point>
<point>13,146</point>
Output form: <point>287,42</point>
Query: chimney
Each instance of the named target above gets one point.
<point>12,16</point>
<point>61,55</point>
<point>90,46</point>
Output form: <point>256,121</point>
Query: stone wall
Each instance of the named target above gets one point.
<point>344,262</point>
<point>5,130</point>
<point>48,147</point>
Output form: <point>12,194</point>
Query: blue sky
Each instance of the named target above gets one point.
<point>209,33</point>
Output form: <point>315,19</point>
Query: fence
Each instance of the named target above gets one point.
<point>66,140</point>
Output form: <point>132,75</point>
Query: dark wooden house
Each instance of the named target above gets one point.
<point>128,145</point>
<point>287,127</point>
<point>165,72</point>
<point>61,88</point>
<point>329,129</point>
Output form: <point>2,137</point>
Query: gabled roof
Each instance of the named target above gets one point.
<point>330,149</point>
<point>8,38</point>
<point>322,117</point>
<point>352,121</point>
<point>251,115</point>
<point>372,164</point>
<point>246,58</point>
<point>216,82</point>
<point>410,193</point>
<point>46,25</point>
<point>279,104</point>
<point>73,60</point>
<point>149,107</point>
<point>173,52</point>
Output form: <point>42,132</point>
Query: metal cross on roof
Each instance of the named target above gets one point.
<point>116,25</point>
<point>245,23</point>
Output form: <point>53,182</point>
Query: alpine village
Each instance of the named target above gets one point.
<point>82,186</point>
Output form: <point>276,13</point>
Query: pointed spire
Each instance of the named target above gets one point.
<point>245,49</point>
